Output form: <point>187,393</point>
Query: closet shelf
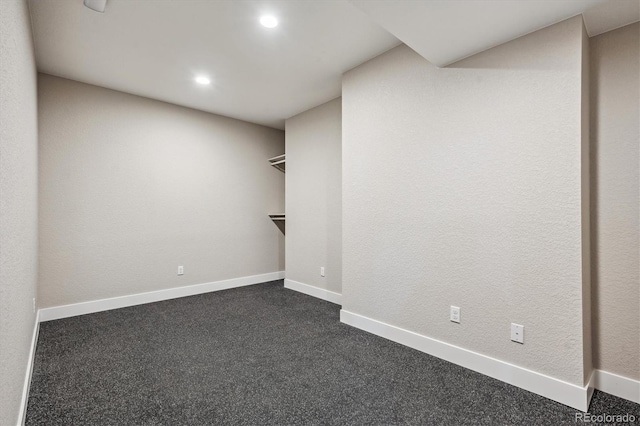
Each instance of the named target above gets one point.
<point>278,162</point>
<point>277,216</point>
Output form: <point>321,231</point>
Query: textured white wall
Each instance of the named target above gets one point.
<point>18,202</point>
<point>314,196</point>
<point>130,188</point>
<point>615,138</point>
<point>462,186</point>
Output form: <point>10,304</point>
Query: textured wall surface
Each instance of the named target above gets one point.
<point>615,138</point>
<point>462,186</point>
<point>18,202</point>
<point>130,188</point>
<point>314,196</point>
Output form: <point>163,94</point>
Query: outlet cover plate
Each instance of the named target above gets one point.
<point>455,314</point>
<point>517,333</point>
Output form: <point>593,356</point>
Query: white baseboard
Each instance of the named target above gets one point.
<point>65,311</point>
<point>566,393</point>
<point>590,387</point>
<point>310,290</point>
<point>22,415</point>
<point>620,386</point>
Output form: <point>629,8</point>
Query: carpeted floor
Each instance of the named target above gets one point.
<point>261,355</point>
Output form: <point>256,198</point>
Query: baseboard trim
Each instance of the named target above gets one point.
<point>590,387</point>
<point>620,386</point>
<point>66,311</point>
<point>314,291</point>
<point>22,415</point>
<point>566,393</point>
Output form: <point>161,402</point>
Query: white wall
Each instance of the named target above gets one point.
<point>615,137</point>
<point>314,196</point>
<point>463,186</point>
<point>18,203</point>
<point>130,188</point>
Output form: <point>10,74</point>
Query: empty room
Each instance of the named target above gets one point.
<point>319,212</point>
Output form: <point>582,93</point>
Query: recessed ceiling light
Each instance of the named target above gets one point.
<point>201,79</point>
<point>97,5</point>
<point>269,21</point>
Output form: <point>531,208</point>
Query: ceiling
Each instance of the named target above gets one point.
<point>446,31</point>
<point>157,48</point>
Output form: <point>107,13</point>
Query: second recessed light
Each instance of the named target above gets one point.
<point>269,21</point>
<point>203,80</point>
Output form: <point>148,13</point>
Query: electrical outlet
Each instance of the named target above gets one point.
<point>517,333</point>
<point>180,270</point>
<point>322,271</point>
<point>455,314</point>
<point>34,304</point>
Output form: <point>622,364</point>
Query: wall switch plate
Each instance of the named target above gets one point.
<point>517,333</point>
<point>322,271</point>
<point>455,314</point>
<point>180,270</point>
<point>34,304</point>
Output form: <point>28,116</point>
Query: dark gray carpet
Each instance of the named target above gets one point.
<point>261,355</point>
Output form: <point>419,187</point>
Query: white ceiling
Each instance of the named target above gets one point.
<point>445,31</point>
<point>610,15</point>
<point>156,48</point>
